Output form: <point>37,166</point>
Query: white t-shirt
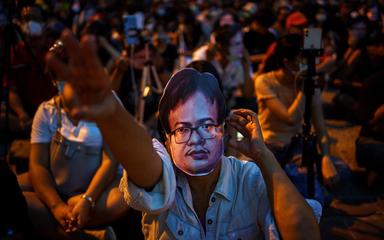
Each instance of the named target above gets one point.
<point>275,130</point>
<point>44,127</point>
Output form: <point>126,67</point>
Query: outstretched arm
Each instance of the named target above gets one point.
<point>293,216</point>
<point>90,89</point>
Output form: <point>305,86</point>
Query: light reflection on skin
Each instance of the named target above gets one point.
<point>197,156</point>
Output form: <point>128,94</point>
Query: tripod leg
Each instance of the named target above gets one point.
<point>159,87</point>
<point>141,101</point>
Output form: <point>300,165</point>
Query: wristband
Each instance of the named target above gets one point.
<point>88,199</point>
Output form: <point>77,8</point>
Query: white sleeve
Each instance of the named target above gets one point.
<point>263,89</point>
<point>317,208</point>
<point>200,53</point>
<point>41,131</point>
<point>161,197</point>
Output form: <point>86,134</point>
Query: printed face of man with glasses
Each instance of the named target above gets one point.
<point>195,133</point>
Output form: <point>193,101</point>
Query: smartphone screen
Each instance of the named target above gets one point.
<point>239,136</point>
<point>131,29</point>
<point>312,38</point>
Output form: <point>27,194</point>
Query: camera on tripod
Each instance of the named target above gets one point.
<point>311,50</point>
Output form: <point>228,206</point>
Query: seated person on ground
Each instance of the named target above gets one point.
<point>281,101</point>
<point>191,189</point>
<point>72,183</point>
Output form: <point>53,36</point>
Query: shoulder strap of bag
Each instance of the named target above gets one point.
<point>58,111</point>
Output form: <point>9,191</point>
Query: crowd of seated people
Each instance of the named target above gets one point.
<point>252,49</point>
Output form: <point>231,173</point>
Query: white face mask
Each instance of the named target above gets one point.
<point>33,28</point>
<point>320,17</point>
<point>197,172</point>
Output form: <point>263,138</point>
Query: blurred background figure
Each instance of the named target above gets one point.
<point>226,53</point>
<point>29,41</point>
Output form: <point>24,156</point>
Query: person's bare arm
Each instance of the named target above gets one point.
<point>102,178</point>
<point>128,141</point>
<point>319,122</point>
<point>17,107</point>
<point>43,184</point>
<point>289,115</point>
<point>378,115</point>
<point>293,216</point>
<point>257,58</point>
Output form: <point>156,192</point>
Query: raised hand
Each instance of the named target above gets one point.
<point>89,87</point>
<point>246,122</point>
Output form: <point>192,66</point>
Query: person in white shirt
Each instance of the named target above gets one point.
<point>191,190</point>
<point>72,182</point>
<point>281,100</point>
<point>225,52</point>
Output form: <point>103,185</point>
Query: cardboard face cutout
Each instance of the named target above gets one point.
<point>195,134</point>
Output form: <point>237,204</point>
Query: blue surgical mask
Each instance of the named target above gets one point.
<point>33,28</point>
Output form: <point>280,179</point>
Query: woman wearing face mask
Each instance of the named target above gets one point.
<point>72,180</point>
<point>281,101</point>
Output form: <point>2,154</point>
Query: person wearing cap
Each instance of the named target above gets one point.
<point>296,22</point>
<point>188,188</point>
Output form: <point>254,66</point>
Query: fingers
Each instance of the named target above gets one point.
<point>88,48</point>
<point>71,222</point>
<point>90,112</point>
<point>245,113</point>
<point>80,222</point>
<point>238,119</point>
<point>72,47</point>
<point>244,117</point>
<point>240,127</point>
<point>58,67</point>
<point>71,225</point>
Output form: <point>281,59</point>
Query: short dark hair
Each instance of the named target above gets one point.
<point>225,12</point>
<point>224,34</point>
<point>182,85</point>
<point>223,37</point>
<point>287,47</point>
<point>205,66</point>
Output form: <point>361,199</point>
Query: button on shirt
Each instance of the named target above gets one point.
<point>238,207</point>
